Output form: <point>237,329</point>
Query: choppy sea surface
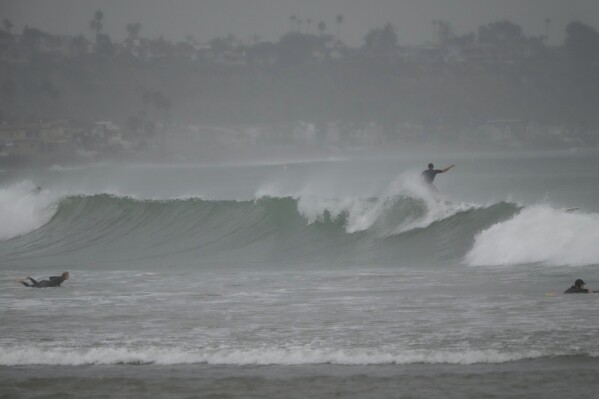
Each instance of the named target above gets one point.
<point>308,279</point>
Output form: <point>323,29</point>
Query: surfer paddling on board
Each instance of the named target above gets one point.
<point>53,281</point>
<point>429,174</point>
<point>578,288</point>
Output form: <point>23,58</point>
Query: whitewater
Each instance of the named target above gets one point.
<point>308,270</point>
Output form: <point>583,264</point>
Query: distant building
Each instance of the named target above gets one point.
<point>20,141</point>
<point>37,139</point>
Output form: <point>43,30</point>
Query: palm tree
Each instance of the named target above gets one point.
<point>133,30</point>
<point>96,23</point>
<point>298,22</point>
<point>322,27</point>
<point>7,25</point>
<point>339,20</point>
<point>294,20</point>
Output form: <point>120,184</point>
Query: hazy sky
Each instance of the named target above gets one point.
<point>206,19</point>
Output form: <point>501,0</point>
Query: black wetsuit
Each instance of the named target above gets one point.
<point>53,281</point>
<point>429,175</point>
<point>576,290</point>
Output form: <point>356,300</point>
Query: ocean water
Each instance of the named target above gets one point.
<point>310,279</point>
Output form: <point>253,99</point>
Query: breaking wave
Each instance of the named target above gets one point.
<point>393,229</point>
<point>108,229</point>
<point>539,234</point>
<point>259,356</point>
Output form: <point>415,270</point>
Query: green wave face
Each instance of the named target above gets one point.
<point>107,231</point>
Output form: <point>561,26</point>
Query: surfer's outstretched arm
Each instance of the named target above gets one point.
<point>447,168</point>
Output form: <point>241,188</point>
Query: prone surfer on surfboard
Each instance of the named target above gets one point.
<point>429,174</point>
<point>53,281</point>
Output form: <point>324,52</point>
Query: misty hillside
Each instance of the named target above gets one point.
<point>96,88</point>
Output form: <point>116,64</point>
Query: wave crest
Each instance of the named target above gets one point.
<point>106,229</point>
<point>259,356</point>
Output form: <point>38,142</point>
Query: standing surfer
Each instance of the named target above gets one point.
<point>429,174</point>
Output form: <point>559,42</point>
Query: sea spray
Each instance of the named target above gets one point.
<point>407,203</point>
<point>23,208</point>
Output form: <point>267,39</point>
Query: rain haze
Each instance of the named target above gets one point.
<point>299,199</point>
<point>206,19</point>
<point>313,78</point>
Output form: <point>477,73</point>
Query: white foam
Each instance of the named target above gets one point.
<point>539,234</point>
<point>15,356</point>
<point>438,206</point>
<point>363,214</point>
<point>23,209</point>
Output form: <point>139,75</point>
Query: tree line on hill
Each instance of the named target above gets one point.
<point>458,80</point>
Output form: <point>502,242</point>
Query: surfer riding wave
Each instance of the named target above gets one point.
<point>430,174</point>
